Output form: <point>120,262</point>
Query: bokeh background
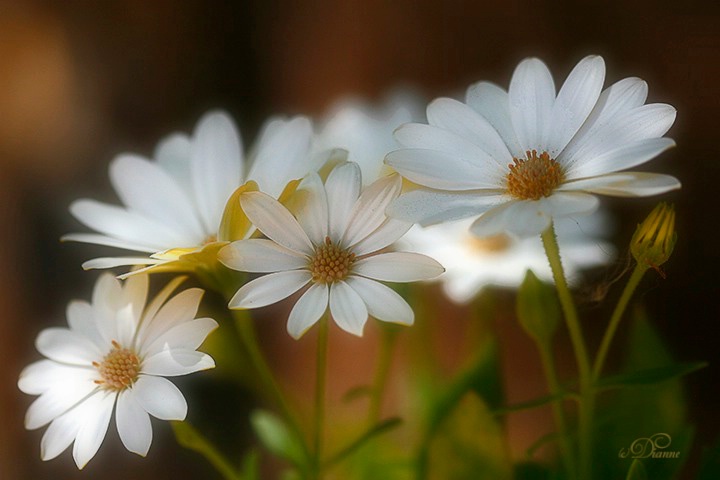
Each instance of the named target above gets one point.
<point>81,81</point>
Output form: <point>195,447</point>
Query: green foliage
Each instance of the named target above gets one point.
<point>278,439</point>
<point>637,471</point>
<point>188,437</point>
<point>538,309</point>
<point>649,376</point>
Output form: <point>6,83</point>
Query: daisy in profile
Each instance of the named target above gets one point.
<point>473,263</point>
<point>527,156</point>
<point>329,243</point>
<point>115,355</point>
<point>175,205</point>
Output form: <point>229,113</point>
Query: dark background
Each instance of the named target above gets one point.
<point>81,81</point>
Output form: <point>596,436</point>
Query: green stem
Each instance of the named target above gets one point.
<point>320,381</point>
<point>188,437</point>
<point>554,386</point>
<point>387,342</point>
<point>552,250</point>
<point>617,315</point>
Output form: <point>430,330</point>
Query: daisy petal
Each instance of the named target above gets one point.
<point>260,256</point>
<point>308,310</point>
<point>80,319</point>
<point>462,120</point>
<point>309,204</point>
<point>275,221</point>
<point>188,335</point>
<point>343,189</point>
<point>133,424</point>
<point>61,433</point>
<point>626,184</point>
<point>112,262</point>
<point>347,308</point>
<point>531,96</point>
<point>171,362</point>
<point>98,410</point>
<point>432,206</point>
<point>269,289</point>
<point>107,241</point>
<point>216,167</point>
<point>382,302</point>
<point>173,154</point>
<point>66,346</point>
<point>43,375</point>
<point>179,309</point>
<point>369,210</point>
<point>398,267</point>
<point>625,156</point>
<point>493,104</point>
<point>574,102</point>
<point>160,398</point>
<point>56,401</point>
<point>387,234</point>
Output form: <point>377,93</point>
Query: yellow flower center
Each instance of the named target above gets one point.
<point>534,177</point>
<point>119,369</point>
<point>330,263</point>
<point>494,244</point>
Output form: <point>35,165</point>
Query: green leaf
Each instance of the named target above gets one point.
<point>277,437</point>
<point>649,376</point>
<point>637,471</point>
<point>538,309</point>
<point>535,403</point>
<point>190,438</point>
<point>373,432</point>
<point>251,465</point>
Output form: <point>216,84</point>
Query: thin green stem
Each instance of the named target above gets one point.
<point>320,383</point>
<point>586,406</point>
<point>188,437</point>
<point>617,315</point>
<point>548,364</point>
<point>382,369</point>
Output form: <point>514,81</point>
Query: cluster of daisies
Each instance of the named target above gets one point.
<point>333,215</point>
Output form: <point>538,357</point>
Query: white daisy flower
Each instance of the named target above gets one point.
<point>366,131</point>
<point>115,355</point>
<point>528,155</point>
<point>174,205</point>
<point>331,245</point>
<point>472,263</point>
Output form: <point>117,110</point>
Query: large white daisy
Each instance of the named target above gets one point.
<point>174,205</point>
<point>331,244</point>
<point>527,156</point>
<point>115,355</point>
<point>472,263</point>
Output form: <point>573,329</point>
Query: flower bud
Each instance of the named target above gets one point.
<point>654,239</point>
<point>537,308</point>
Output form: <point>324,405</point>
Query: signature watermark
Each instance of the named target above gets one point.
<point>655,446</point>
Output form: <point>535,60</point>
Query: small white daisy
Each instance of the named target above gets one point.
<point>528,155</point>
<point>174,205</point>
<point>115,355</point>
<point>472,263</point>
<point>330,244</point>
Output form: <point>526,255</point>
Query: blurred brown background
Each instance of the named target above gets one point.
<point>81,81</point>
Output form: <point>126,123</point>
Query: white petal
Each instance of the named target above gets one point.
<point>135,291</point>
<point>282,156</point>
<point>388,233</point>
<point>269,289</point>
<point>382,302</point>
<point>66,346</point>
<point>112,262</point>
<point>626,156</point>
<point>179,309</point>
<point>574,102</point>
<point>189,335</point>
<point>462,120</point>
<point>81,320</point>
<point>98,410</point>
<point>173,154</point>
<point>347,308</point>
<point>443,170</point>
<point>343,189</point>
<point>309,204</point>
<point>369,210</point>
<point>626,184</point>
<point>432,206</point>
<point>147,189</point>
<point>105,240</point>
<point>171,362</point>
<point>133,423</point>
<point>531,95</point>
<point>61,433</point>
<point>159,300</point>
<point>398,267</point>
<point>216,165</point>
<point>275,221</point>
<point>260,256</point>
<point>59,395</point>
<point>308,310</point>
<point>43,375</point>
<point>493,104</point>
<point>160,398</point>
<point>128,226</point>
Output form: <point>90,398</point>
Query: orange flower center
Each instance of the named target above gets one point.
<point>534,177</point>
<point>119,369</point>
<point>330,263</point>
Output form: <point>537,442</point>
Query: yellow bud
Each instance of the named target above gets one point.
<point>654,239</point>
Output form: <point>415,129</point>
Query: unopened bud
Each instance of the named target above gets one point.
<point>654,239</point>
